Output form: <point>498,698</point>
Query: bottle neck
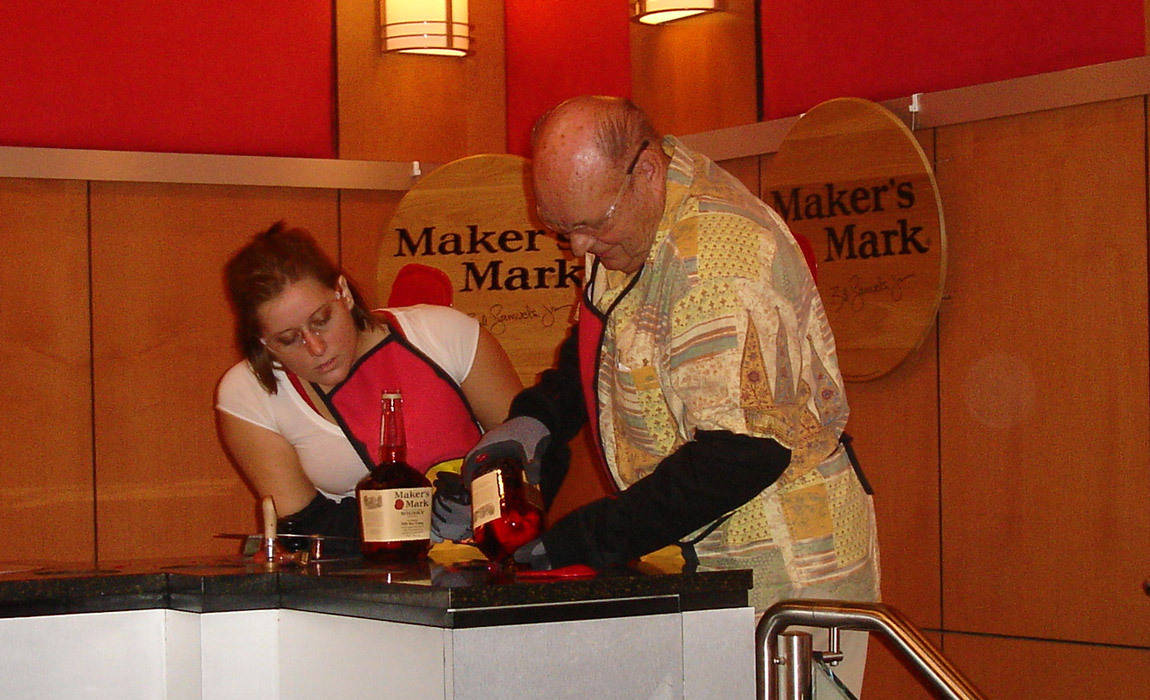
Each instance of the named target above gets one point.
<point>391,454</point>
<point>392,442</point>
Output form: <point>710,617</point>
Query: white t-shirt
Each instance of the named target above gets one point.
<point>448,337</point>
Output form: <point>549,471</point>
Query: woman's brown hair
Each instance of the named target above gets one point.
<point>260,271</point>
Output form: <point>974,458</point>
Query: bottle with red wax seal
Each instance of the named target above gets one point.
<point>506,510</point>
<point>394,498</point>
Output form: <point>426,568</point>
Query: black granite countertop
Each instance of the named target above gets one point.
<point>451,595</point>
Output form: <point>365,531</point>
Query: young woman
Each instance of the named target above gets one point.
<point>300,414</point>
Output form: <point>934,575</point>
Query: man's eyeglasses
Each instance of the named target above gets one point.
<point>601,223</point>
<point>295,339</point>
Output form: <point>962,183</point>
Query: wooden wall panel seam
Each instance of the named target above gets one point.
<point>92,379</point>
<point>1029,638</point>
<point>938,419</point>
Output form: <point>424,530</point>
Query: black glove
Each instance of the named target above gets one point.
<point>522,438</point>
<point>450,509</point>
<point>534,554</point>
<point>323,516</point>
<point>705,478</point>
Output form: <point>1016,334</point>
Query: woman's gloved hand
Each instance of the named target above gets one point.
<point>522,438</point>
<point>450,509</point>
<point>323,516</point>
<point>534,554</point>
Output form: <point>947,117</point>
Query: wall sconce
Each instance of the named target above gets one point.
<point>661,11</point>
<point>437,27</point>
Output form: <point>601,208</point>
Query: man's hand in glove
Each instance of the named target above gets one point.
<point>450,509</point>
<point>533,554</point>
<point>522,438</point>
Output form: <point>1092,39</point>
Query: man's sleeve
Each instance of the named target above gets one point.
<point>556,401</point>
<point>704,479</point>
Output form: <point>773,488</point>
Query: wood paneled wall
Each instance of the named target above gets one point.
<point>115,453</point>
<point>1008,454</point>
<point>1044,375</point>
<point>46,475</point>
<point>115,330</point>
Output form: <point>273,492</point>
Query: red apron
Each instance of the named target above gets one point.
<point>438,422</point>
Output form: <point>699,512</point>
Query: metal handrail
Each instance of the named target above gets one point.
<point>946,680</point>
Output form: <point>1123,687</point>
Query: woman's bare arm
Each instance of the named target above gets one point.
<point>491,383</point>
<point>269,463</point>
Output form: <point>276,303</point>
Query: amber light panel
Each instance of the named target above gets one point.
<point>663,11</point>
<point>435,27</point>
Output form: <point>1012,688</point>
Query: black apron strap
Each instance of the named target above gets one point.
<point>846,441</point>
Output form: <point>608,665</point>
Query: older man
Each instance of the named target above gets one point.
<point>707,366</point>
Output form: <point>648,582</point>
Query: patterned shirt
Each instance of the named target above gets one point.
<point>724,330</point>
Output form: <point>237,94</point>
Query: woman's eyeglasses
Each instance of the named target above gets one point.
<point>295,339</point>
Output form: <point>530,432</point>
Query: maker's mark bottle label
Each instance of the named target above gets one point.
<point>486,494</point>
<point>396,515</point>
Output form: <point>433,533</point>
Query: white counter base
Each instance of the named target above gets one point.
<point>289,654</point>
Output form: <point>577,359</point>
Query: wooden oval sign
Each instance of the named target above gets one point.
<point>852,179</point>
<point>474,219</point>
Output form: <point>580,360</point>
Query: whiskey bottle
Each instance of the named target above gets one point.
<point>394,499</point>
<point>506,510</point>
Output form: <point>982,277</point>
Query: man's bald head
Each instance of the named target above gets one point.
<point>606,127</point>
<point>586,151</point>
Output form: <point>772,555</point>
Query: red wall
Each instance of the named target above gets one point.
<point>246,77</point>
<point>256,77</point>
<point>820,49</point>
<point>557,50</point>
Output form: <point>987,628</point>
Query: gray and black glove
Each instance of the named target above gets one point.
<point>522,438</point>
<point>534,554</point>
<point>450,509</point>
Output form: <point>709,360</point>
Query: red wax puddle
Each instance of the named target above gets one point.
<point>573,571</point>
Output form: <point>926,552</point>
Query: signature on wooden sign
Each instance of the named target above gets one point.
<point>855,293</point>
<point>500,318</point>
